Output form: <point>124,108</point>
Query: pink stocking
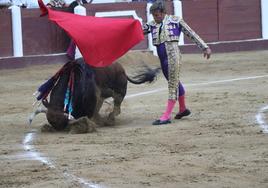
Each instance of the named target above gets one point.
<point>167,114</point>
<point>182,103</point>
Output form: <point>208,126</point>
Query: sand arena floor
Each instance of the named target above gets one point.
<point>222,143</point>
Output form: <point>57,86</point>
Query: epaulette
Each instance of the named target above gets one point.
<point>174,19</point>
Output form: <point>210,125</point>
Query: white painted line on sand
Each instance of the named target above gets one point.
<point>37,156</point>
<point>196,84</point>
<point>260,119</point>
<point>31,151</point>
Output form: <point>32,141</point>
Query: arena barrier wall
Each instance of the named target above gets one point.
<point>226,25</point>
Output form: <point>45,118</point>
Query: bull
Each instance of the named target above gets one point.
<point>91,86</point>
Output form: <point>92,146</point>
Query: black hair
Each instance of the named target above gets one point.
<point>158,5</point>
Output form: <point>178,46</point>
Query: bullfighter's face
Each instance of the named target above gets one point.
<point>158,16</point>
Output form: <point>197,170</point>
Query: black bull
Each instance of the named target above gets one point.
<point>91,87</point>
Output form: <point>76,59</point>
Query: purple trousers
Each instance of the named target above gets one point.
<point>162,54</point>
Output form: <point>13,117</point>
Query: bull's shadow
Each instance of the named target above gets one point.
<point>77,91</point>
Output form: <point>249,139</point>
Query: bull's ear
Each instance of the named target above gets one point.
<point>45,103</point>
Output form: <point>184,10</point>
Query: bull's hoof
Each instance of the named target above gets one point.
<point>82,125</point>
<point>98,120</point>
<point>110,121</point>
<point>47,128</point>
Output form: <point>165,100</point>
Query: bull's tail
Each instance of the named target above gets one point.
<point>146,75</point>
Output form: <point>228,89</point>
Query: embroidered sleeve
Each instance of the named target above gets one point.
<point>192,35</point>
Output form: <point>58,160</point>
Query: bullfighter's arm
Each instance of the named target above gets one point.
<point>185,28</point>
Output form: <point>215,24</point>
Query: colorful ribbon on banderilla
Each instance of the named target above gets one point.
<point>44,90</point>
<point>69,96</point>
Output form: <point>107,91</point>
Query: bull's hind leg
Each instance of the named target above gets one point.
<point>118,98</point>
<point>118,95</point>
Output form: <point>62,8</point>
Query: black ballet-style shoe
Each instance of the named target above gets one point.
<point>179,115</point>
<point>159,122</point>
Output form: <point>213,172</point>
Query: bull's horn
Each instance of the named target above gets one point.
<point>39,110</point>
<point>35,93</point>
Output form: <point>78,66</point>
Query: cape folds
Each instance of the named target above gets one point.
<point>100,40</point>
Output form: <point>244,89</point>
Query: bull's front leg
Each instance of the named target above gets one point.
<point>96,116</point>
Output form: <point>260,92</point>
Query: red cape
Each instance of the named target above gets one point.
<point>100,40</point>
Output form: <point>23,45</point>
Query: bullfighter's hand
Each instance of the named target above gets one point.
<point>207,53</point>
